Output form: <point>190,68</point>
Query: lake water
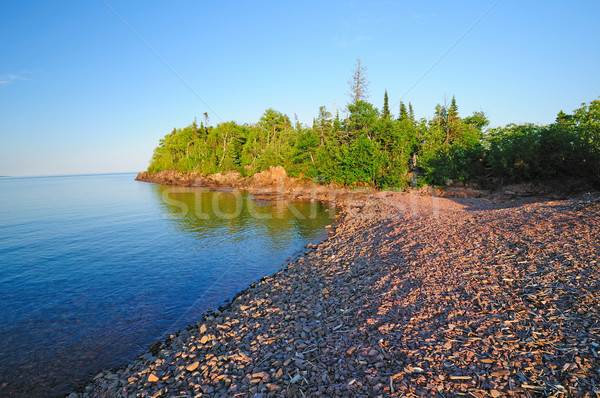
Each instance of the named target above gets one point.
<point>93,269</point>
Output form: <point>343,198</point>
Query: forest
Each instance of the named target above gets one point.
<point>372,147</point>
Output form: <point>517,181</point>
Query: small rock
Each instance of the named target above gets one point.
<point>193,366</point>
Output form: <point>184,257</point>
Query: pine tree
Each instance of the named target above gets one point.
<point>297,123</point>
<point>452,119</point>
<point>411,113</point>
<point>441,115</point>
<point>403,113</point>
<point>453,110</point>
<point>337,124</point>
<point>323,124</point>
<point>385,114</point>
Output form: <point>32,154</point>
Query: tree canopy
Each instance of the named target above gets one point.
<point>369,147</point>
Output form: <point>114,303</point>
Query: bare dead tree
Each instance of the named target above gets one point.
<point>358,84</point>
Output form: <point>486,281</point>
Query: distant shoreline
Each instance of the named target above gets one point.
<point>70,175</point>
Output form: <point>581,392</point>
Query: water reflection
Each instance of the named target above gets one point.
<point>93,269</point>
<point>236,213</point>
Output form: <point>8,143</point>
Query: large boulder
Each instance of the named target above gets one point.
<point>274,176</point>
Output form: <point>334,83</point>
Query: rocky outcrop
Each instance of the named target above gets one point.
<point>232,179</point>
<point>274,177</point>
<point>267,183</point>
<point>275,181</point>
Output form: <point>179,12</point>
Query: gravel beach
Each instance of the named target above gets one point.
<point>409,295</point>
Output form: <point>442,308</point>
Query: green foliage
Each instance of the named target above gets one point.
<point>514,152</point>
<point>453,110</point>
<point>452,148</point>
<point>456,162</point>
<point>362,119</point>
<point>323,124</point>
<point>566,148</point>
<point>403,115</point>
<point>304,153</point>
<point>385,113</point>
<point>586,122</point>
<point>372,149</point>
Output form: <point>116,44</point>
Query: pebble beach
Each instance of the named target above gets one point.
<point>409,296</point>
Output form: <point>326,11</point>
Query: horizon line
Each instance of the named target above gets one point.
<point>69,175</point>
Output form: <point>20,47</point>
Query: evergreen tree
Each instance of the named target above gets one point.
<point>362,119</point>
<point>385,114</point>
<point>403,112</point>
<point>453,111</point>
<point>367,147</point>
<point>441,115</point>
<point>452,121</point>
<point>563,117</point>
<point>337,124</point>
<point>323,124</point>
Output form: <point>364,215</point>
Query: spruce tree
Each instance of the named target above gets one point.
<point>403,113</point>
<point>337,125</point>
<point>385,114</point>
<point>453,110</point>
<point>411,113</point>
<point>323,124</point>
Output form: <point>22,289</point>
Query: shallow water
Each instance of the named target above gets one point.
<point>93,269</point>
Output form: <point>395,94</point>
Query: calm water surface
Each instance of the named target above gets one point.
<point>93,269</point>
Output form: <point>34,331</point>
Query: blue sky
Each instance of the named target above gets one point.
<point>80,93</point>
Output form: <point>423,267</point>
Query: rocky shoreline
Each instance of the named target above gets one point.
<point>410,295</point>
<point>275,181</point>
<point>267,184</point>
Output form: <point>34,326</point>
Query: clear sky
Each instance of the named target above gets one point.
<point>80,92</point>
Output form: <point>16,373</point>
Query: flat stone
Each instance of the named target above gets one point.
<point>193,366</point>
<point>260,375</point>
